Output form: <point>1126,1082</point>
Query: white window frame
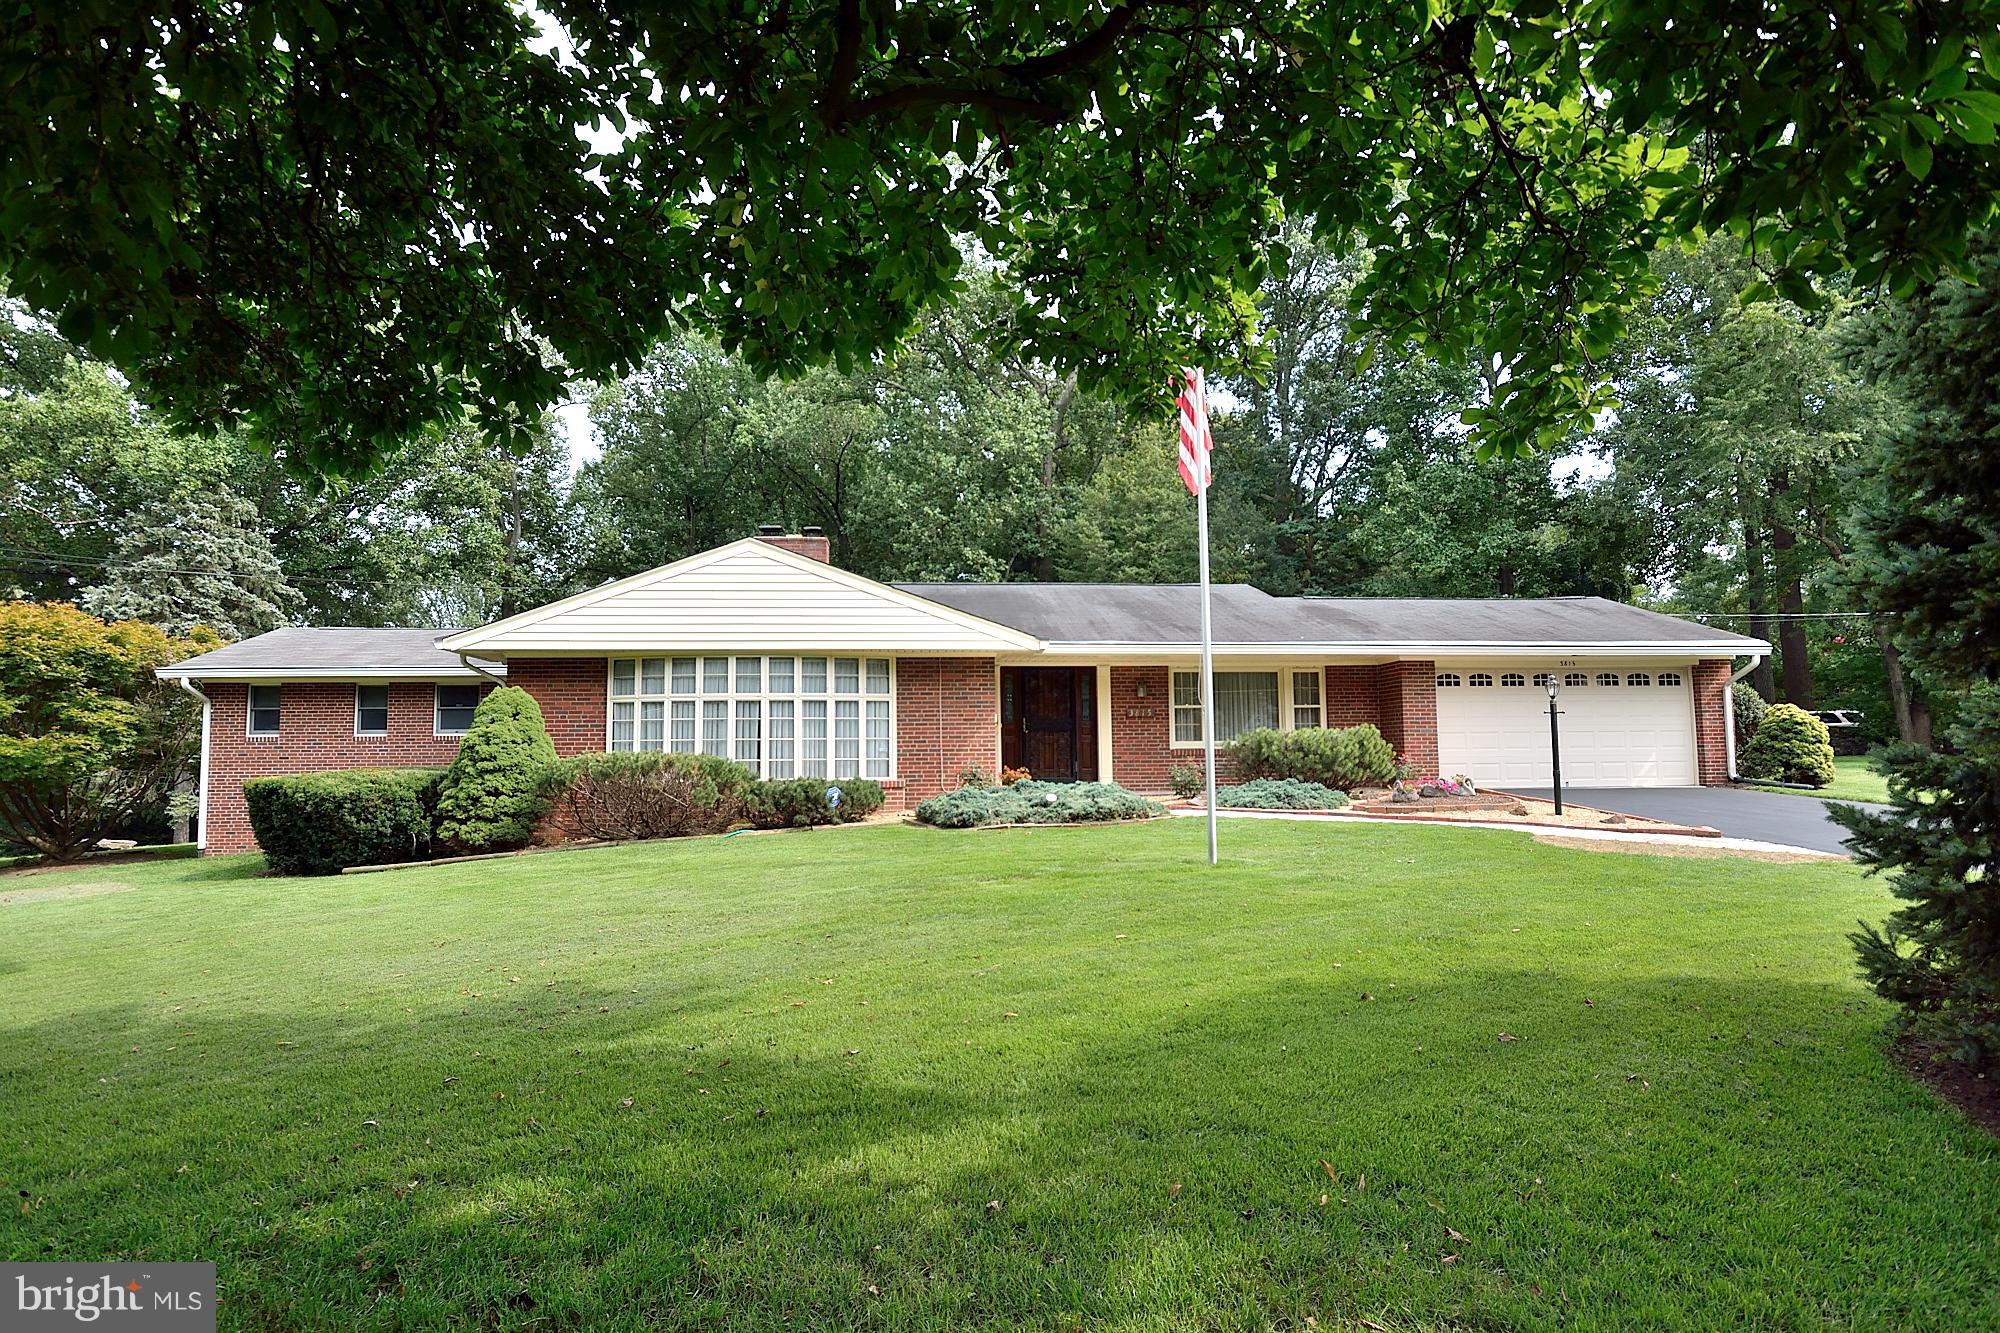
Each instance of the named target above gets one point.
<point>1670,679</point>
<point>371,735</point>
<point>831,694</point>
<point>250,710</point>
<point>1287,673</point>
<point>437,705</point>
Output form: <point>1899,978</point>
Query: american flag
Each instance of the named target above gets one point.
<point>1197,445</point>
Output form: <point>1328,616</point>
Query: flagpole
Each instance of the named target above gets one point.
<point>1207,665</point>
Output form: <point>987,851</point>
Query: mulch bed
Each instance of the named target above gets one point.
<point>1430,804</point>
<point>1974,1093</point>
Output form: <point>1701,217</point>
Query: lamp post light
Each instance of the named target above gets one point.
<point>1555,743</point>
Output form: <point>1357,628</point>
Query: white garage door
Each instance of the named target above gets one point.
<point>1633,727</point>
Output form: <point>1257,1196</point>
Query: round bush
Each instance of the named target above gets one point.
<point>1791,745</point>
<point>498,786</point>
<point>803,802</point>
<point>1280,794</point>
<point>1331,756</point>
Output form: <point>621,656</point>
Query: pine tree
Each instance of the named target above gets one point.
<point>198,560</point>
<point>1932,561</point>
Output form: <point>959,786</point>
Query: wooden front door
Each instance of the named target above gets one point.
<point>1048,722</point>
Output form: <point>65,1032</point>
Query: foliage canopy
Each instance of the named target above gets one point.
<point>340,223</point>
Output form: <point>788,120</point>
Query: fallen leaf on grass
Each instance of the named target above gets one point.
<point>1451,1258</point>
<point>1508,1036</point>
<point>992,1205</point>
<point>625,1101</point>
<point>1174,1190</point>
<point>1454,1235</point>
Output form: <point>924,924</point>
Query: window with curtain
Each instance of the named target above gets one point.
<point>1244,701</point>
<point>1306,699</point>
<point>783,716</point>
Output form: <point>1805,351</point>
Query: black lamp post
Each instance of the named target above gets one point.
<point>1555,744</point>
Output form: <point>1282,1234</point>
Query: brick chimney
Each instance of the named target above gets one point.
<point>808,542</point>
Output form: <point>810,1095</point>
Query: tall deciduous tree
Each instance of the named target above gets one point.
<point>337,224</point>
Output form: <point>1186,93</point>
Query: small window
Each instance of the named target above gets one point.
<point>371,710</point>
<point>1543,680</point>
<point>1479,680</point>
<point>812,680</point>
<point>781,675</point>
<point>847,680</point>
<point>1305,699</point>
<point>455,706</point>
<point>715,675</point>
<point>1448,680</point>
<point>749,675</point>
<point>1577,679</point>
<point>1638,678</point>
<point>1607,678</point>
<point>1670,678</point>
<point>683,676</point>
<point>1513,680</point>
<point>653,675</point>
<point>624,677</point>
<point>1187,706</point>
<point>878,675</point>
<point>264,709</point>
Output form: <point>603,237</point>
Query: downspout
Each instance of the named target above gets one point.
<point>466,662</point>
<point>201,788</point>
<point>1729,711</point>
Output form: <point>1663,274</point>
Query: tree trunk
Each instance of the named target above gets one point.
<point>1792,658</point>
<point>1913,710</point>
<point>1506,580</point>
<point>1757,577</point>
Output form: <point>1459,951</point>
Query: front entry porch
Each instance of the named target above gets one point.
<point>1048,722</point>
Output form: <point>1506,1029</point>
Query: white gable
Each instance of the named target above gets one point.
<point>748,596</point>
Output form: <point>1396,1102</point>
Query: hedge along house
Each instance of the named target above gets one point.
<point>763,651</point>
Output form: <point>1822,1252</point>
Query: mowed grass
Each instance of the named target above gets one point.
<point>1855,778</point>
<point>1400,1078</point>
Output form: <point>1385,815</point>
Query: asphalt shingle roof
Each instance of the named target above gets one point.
<point>1169,614</point>
<point>328,650</point>
<point>1163,615</point>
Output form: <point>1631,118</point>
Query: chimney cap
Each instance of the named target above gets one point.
<point>770,530</point>
<point>812,532</point>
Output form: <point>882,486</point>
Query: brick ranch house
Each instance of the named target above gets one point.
<point>764,651</point>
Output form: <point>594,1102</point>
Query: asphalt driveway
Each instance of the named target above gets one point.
<point>1796,821</point>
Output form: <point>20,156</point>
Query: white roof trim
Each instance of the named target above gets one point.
<point>482,638</point>
<point>360,674</point>
<point>1350,647</point>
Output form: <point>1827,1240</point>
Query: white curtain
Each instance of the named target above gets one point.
<point>1244,701</point>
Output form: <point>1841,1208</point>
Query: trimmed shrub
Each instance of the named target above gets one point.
<point>1280,794</point>
<point>321,823</point>
<point>497,787</point>
<point>627,797</point>
<point>1037,803</point>
<point>1331,756</point>
<point>1750,709</point>
<point>1791,745</point>
<point>802,802</point>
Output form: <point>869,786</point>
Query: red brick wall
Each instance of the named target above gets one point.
<point>315,733</point>
<point>1711,743</point>
<point>1143,756</point>
<point>947,719</point>
<point>813,548</point>
<point>570,692</point>
<point>1353,695</point>
<point>1408,704</point>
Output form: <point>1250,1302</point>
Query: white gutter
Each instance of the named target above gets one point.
<point>466,662</point>
<point>201,788</point>
<point>1729,710</point>
<point>341,674</point>
<point>1354,648</point>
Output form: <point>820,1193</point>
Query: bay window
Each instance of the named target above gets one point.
<point>782,716</point>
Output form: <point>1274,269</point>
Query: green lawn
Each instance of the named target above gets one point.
<point>903,1078</point>
<point>1854,779</point>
